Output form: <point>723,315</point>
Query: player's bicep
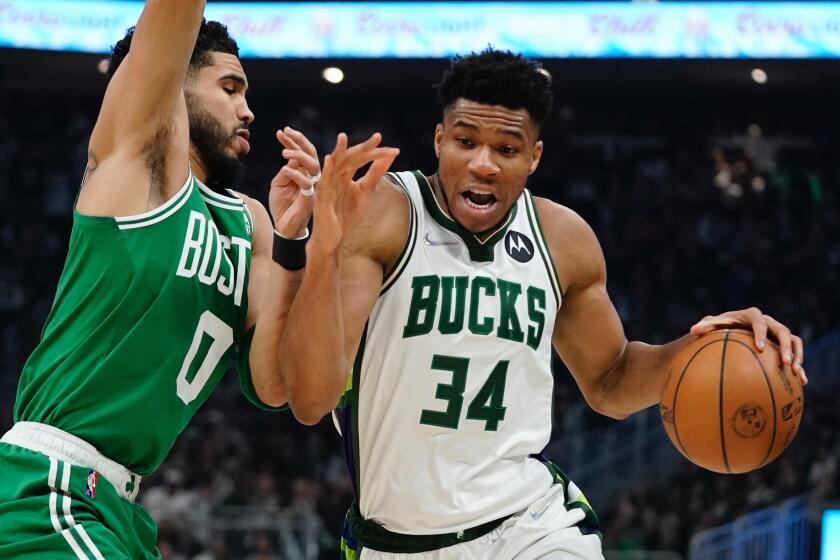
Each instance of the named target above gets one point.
<point>145,91</point>
<point>588,334</point>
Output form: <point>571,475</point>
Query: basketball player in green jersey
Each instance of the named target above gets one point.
<point>426,316</point>
<point>168,277</point>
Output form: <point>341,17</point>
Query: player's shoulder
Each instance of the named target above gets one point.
<point>389,207</point>
<point>254,205</point>
<point>560,222</point>
<point>384,229</point>
<point>263,226</point>
<point>258,212</point>
<point>572,242</point>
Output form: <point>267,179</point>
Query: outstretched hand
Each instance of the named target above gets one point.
<point>290,198</point>
<point>790,345</point>
<point>341,201</point>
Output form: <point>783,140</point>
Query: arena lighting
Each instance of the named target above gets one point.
<point>759,76</point>
<point>333,75</point>
<point>331,30</point>
<point>830,549</point>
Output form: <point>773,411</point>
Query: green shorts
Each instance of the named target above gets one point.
<point>52,510</point>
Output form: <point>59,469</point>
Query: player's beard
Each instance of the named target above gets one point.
<point>212,142</point>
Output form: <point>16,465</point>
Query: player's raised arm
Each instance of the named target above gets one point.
<point>139,149</point>
<point>142,95</point>
<point>346,259</point>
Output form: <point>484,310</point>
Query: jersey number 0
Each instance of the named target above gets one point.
<point>222,339</point>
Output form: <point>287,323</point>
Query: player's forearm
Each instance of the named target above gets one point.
<point>266,358</point>
<point>161,48</point>
<point>314,358</point>
<point>638,377</point>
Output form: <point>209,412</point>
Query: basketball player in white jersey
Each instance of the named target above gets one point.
<point>426,317</point>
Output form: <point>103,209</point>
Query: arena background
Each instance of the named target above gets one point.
<point>711,186</point>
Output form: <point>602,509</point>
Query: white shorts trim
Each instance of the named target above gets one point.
<point>58,444</point>
<point>545,530</point>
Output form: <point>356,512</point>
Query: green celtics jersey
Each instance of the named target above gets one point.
<point>148,313</point>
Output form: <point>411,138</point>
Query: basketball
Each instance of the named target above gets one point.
<point>728,407</point>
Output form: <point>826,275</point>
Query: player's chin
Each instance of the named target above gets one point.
<point>240,147</point>
<point>478,219</point>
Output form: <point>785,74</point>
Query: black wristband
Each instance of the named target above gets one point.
<point>289,253</point>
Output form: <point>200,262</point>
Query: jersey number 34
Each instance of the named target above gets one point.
<point>486,405</point>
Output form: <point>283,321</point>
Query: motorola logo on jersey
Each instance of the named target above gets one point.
<point>519,247</point>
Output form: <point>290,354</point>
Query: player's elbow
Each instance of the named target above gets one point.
<point>609,409</point>
<point>308,412</point>
<point>309,404</point>
<point>273,398</point>
<point>605,402</point>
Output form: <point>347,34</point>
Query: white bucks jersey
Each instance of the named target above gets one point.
<point>451,392</point>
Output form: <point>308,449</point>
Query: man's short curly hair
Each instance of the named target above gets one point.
<point>212,37</point>
<point>495,77</point>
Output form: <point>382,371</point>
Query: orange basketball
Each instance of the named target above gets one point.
<point>728,407</point>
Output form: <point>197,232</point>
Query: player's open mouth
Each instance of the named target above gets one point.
<point>478,199</point>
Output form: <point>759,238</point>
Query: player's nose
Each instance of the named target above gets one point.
<point>482,163</point>
<point>244,113</point>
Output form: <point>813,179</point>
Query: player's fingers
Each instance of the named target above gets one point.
<point>378,168</point>
<point>286,140</point>
<point>329,167</point>
<point>783,336</point>
<point>798,353</point>
<point>309,162</point>
<point>340,149</point>
<point>301,141</point>
<point>362,153</point>
<point>281,179</point>
<point>757,321</point>
<point>802,377</point>
<point>703,326</point>
<point>297,176</point>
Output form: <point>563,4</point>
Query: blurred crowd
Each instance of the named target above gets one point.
<point>664,516</point>
<point>698,212</point>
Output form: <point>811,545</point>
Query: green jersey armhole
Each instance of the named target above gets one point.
<point>243,369</point>
<point>149,218</point>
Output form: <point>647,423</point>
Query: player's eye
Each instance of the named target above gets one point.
<point>508,150</point>
<point>466,142</point>
<point>229,90</point>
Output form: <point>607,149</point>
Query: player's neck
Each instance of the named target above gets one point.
<point>199,170</point>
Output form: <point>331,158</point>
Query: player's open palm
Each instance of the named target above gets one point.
<point>290,197</point>
<point>341,201</point>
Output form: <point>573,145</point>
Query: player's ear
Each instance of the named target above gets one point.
<point>438,139</point>
<point>536,154</point>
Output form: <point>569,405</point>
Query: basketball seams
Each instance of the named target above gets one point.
<point>743,386</point>
<point>772,401</point>
<point>720,402</point>
<point>677,392</point>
